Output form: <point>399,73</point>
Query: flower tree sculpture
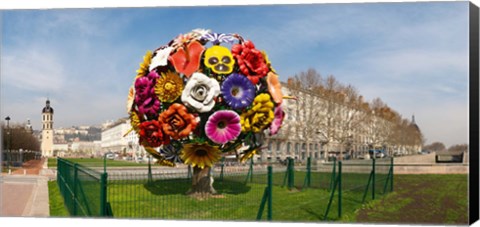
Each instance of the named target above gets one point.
<point>194,100</point>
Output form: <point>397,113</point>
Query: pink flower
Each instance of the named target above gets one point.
<point>223,126</point>
<point>277,120</point>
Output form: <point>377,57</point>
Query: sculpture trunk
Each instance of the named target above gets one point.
<point>202,182</point>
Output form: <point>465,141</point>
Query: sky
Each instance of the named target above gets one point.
<point>412,55</point>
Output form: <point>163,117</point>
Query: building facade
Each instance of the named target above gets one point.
<point>118,137</point>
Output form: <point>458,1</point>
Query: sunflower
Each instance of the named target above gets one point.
<point>200,154</point>
<point>144,66</point>
<point>169,87</point>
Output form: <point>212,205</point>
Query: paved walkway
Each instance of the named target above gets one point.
<point>24,192</point>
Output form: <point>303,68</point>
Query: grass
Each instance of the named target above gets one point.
<point>57,207</point>
<point>96,162</point>
<point>421,199</point>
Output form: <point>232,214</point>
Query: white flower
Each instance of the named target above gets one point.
<point>201,32</point>
<point>200,91</point>
<point>161,57</point>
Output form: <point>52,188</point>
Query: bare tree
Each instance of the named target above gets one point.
<point>306,120</point>
<point>458,148</point>
<point>352,114</point>
<point>17,137</point>
<point>435,147</point>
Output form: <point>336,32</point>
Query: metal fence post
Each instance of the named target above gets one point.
<point>307,181</point>
<point>270,194</point>
<point>150,178</point>
<point>250,172</point>
<point>373,178</point>
<point>222,165</point>
<point>103,195</point>
<point>392,166</point>
<point>339,189</point>
<point>75,182</point>
<point>291,176</point>
<point>267,197</point>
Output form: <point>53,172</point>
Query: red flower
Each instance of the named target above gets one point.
<point>151,134</point>
<point>250,61</point>
<point>187,58</point>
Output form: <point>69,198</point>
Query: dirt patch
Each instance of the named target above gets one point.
<point>204,196</point>
<point>31,167</point>
<point>417,201</point>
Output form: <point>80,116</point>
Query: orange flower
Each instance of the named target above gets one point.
<point>274,87</point>
<point>177,122</point>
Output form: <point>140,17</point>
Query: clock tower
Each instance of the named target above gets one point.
<point>47,130</point>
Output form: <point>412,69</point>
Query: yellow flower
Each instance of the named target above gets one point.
<point>169,87</point>
<point>134,120</point>
<point>130,99</point>
<point>248,155</point>
<point>267,61</point>
<point>143,70</point>
<point>200,154</point>
<point>259,116</point>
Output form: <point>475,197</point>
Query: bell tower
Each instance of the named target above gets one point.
<point>47,130</point>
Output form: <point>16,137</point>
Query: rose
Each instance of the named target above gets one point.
<point>151,133</point>
<point>177,122</point>
<point>251,61</point>
<point>200,92</point>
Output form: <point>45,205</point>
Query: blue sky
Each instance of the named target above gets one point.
<point>414,56</point>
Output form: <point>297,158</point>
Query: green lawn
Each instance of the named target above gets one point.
<point>96,162</point>
<point>421,199</point>
<point>57,207</point>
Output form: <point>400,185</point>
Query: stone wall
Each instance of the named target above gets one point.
<point>432,169</point>
<point>416,159</point>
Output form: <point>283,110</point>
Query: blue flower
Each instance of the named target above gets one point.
<point>238,91</point>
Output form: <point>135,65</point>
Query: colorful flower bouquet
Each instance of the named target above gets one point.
<point>195,98</point>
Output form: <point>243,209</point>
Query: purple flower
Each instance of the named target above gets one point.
<point>217,38</point>
<point>144,87</point>
<point>145,97</point>
<point>238,91</point>
<point>149,107</point>
<point>223,126</point>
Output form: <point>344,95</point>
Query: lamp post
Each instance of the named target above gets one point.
<point>8,143</point>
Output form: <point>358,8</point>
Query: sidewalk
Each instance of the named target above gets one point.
<point>24,192</point>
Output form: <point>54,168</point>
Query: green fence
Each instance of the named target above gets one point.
<point>252,191</point>
<point>83,189</point>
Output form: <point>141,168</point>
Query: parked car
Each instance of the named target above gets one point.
<point>377,153</point>
<point>110,156</point>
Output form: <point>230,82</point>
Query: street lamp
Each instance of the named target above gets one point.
<point>8,143</point>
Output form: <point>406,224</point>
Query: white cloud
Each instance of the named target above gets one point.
<point>33,70</point>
